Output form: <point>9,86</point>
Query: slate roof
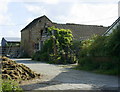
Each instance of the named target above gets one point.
<point>12,39</point>
<point>81,32</point>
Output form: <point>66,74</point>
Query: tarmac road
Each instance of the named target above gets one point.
<point>62,77</point>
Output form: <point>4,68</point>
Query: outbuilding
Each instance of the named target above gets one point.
<point>10,46</point>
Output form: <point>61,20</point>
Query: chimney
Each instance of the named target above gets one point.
<point>119,9</point>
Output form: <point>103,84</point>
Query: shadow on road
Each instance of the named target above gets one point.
<point>74,79</point>
<point>63,80</point>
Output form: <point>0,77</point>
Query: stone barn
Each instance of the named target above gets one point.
<point>34,34</point>
<point>10,46</point>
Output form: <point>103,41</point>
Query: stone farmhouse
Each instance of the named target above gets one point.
<point>34,34</point>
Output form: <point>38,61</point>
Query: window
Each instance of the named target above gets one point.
<point>37,46</point>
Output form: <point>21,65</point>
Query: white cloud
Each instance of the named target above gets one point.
<point>38,10</point>
<point>93,14</point>
<point>3,6</point>
<point>5,19</point>
<point>43,1</point>
<point>50,1</point>
<point>3,11</point>
<point>70,1</point>
<point>4,15</point>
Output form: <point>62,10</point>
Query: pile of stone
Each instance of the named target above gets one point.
<point>16,71</point>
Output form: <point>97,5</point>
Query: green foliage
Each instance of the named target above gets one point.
<point>102,66</point>
<point>76,47</point>
<point>63,37</point>
<point>88,64</point>
<point>10,86</point>
<point>47,44</point>
<point>101,46</point>
<point>41,56</point>
<point>113,42</point>
<point>98,47</point>
<point>86,46</point>
<point>57,49</point>
<point>95,46</point>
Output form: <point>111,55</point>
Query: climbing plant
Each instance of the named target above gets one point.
<point>58,46</point>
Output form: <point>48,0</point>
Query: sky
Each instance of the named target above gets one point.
<point>16,14</point>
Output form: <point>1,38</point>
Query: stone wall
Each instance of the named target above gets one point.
<point>32,35</point>
<point>25,43</point>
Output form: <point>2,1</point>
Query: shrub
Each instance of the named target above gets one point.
<point>41,56</point>
<point>106,48</point>
<point>102,45</point>
<point>95,46</point>
<point>113,42</point>
<point>87,63</point>
<point>98,47</point>
<point>55,59</point>
<point>103,65</point>
<point>76,47</point>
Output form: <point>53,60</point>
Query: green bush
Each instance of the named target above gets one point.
<point>62,59</point>
<point>53,59</point>
<point>76,47</point>
<point>98,47</point>
<point>10,86</point>
<point>109,66</point>
<point>95,46</point>
<point>88,64</point>
<point>41,56</point>
<point>113,42</point>
<point>102,45</point>
<point>101,53</point>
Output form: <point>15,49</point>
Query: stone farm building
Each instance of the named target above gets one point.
<point>34,34</point>
<point>10,46</point>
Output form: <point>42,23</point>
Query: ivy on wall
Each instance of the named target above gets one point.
<point>57,49</point>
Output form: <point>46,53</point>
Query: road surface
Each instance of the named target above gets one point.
<point>62,77</point>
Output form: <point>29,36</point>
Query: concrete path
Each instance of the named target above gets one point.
<point>62,77</point>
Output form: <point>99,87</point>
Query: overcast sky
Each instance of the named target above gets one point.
<point>16,14</point>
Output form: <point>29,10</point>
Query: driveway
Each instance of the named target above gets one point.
<point>62,77</point>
